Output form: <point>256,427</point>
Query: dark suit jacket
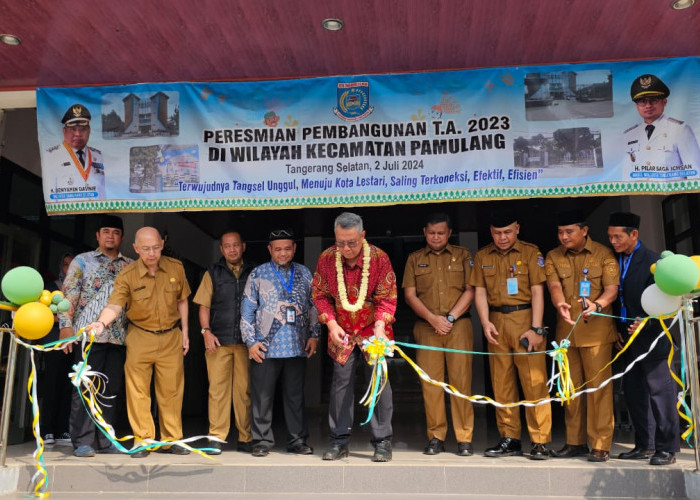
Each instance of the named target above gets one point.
<point>637,279</point>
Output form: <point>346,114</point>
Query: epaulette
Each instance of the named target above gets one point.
<point>631,128</point>
<point>673,120</point>
<point>54,148</point>
<point>94,149</point>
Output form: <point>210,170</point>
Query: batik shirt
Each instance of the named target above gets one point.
<point>87,286</point>
<point>264,310</point>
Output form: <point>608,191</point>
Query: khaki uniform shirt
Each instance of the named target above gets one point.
<point>566,267</point>
<point>492,268</point>
<point>206,287</point>
<point>151,301</point>
<point>439,279</point>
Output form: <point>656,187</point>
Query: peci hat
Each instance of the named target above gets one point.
<point>77,114</point>
<point>569,217</point>
<point>502,218</point>
<point>648,86</point>
<point>281,234</point>
<point>111,221</point>
<point>624,219</point>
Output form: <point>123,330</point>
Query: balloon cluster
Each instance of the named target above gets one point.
<point>674,276</point>
<point>34,306</point>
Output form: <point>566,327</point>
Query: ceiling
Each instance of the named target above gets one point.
<point>79,42</point>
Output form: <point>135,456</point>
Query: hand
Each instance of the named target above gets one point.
<point>310,347</point>
<point>620,341</point>
<point>185,343</point>
<point>257,352</point>
<point>379,331</point>
<point>565,312</point>
<point>210,341</point>
<point>633,327</point>
<point>66,333</point>
<point>440,324</point>
<point>336,334</point>
<point>491,333</point>
<point>534,340</point>
<point>590,307</point>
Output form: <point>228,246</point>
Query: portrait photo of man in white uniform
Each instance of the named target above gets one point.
<point>661,147</point>
<point>73,170</point>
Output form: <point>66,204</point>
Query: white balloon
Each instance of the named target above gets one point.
<point>656,302</point>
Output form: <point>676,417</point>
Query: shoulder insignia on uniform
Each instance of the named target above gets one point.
<point>631,128</point>
<point>54,148</point>
<point>540,260</point>
<point>94,149</point>
<point>673,120</point>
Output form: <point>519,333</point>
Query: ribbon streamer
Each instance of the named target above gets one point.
<point>376,349</point>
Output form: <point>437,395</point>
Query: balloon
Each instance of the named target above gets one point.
<point>63,306</point>
<point>45,298</point>
<point>696,259</point>
<point>22,284</point>
<point>656,302</point>
<point>53,308</point>
<point>33,320</point>
<point>676,274</point>
<point>56,296</point>
<point>652,268</point>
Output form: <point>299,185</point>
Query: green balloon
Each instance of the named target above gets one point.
<point>676,274</point>
<point>54,308</point>
<point>63,306</point>
<point>22,284</point>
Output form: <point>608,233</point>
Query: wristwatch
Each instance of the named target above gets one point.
<point>539,330</point>
<point>598,307</point>
<point>205,329</point>
<point>451,318</point>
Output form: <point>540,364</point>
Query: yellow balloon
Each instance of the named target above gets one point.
<point>33,320</point>
<point>652,268</point>
<point>696,259</point>
<point>45,298</point>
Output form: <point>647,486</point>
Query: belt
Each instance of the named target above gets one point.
<point>509,309</point>
<point>157,332</point>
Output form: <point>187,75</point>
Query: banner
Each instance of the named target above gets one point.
<point>520,132</point>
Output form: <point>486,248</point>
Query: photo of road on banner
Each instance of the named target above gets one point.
<point>162,168</point>
<point>566,95</point>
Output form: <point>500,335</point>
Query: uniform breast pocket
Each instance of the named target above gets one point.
<point>455,275</point>
<point>142,294</point>
<point>424,277</point>
<point>489,276</point>
<point>522,274</point>
<point>595,274</point>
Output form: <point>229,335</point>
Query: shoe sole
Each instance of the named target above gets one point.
<point>381,459</point>
<point>504,454</point>
<point>539,457</point>
<point>433,452</point>
<point>340,455</point>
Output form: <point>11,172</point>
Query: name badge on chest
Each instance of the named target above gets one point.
<point>512,282</point>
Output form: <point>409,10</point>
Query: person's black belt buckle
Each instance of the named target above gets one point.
<point>509,309</point>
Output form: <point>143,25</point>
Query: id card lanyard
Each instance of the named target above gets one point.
<point>512,282</point>
<point>623,272</point>
<point>290,311</point>
<point>584,288</point>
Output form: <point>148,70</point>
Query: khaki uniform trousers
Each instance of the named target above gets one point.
<point>160,354</point>
<point>459,371</point>
<point>228,369</point>
<point>594,408</point>
<point>532,372</point>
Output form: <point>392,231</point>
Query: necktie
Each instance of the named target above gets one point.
<point>80,157</point>
<point>650,130</point>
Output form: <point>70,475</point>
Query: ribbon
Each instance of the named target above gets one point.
<point>376,349</point>
<point>565,386</point>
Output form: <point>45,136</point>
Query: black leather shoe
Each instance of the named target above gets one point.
<point>336,451</point>
<point>140,454</point>
<point>599,456</point>
<point>464,449</point>
<point>506,447</point>
<point>175,450</point>
<point>260,450</point>
<point>300,449</point>
<point>215,446</point>
<point>382,451</point>
<point>435,446</point>
<point>539,452</point>
<point>636,453</point>
<point>663,458</point>
<point>570,451</point>
<point>244,447</point>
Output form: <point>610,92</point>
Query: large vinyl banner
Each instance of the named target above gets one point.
<point>565,130</point>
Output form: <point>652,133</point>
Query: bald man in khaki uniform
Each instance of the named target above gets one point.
<point>154,292</point>
<point>509,278</point>
<point>578,259</point>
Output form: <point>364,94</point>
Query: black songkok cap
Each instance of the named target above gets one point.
<point>111,221</point>
<point>648,86</point>
<point>77,114</point>
<point>569,217</point>
<point>624,219</point>
<point>503,218</point>
<point>281,234</point>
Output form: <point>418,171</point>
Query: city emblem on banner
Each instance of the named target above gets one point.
<point>353,101</point>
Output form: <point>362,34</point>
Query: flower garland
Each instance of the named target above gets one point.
<point>342,290</point>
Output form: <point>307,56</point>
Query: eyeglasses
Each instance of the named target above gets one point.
<point>349,244</point>
<point>648,100</point>
<point>153,249</point>
<point>282,233</point>
<point>78,128</point>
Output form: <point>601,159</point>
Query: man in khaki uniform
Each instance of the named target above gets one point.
<point>154,292</point>
<point>508,279</point>
<point>583,277</point>
<point>435,286</point>
<point>219,297</point>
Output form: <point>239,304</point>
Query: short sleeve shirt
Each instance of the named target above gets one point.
<point>151,301</point>
<point>492,269</point>
<point>439,279</point>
